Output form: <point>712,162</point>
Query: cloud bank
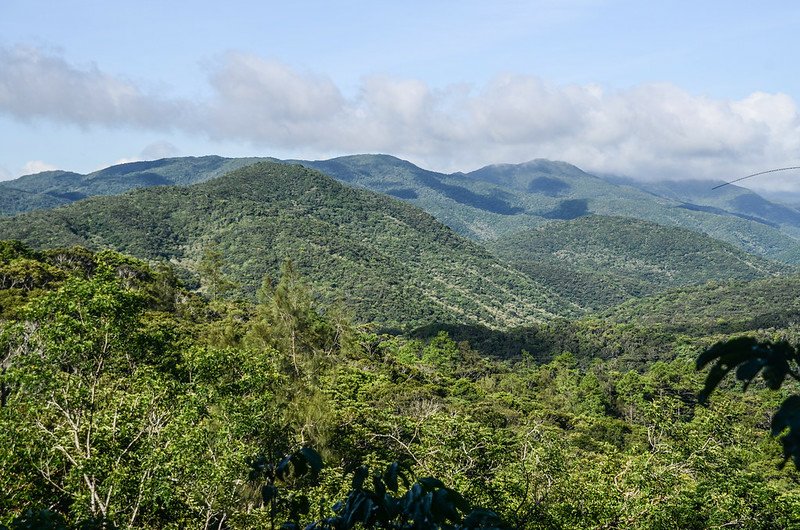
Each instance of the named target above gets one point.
<point>648,131</point>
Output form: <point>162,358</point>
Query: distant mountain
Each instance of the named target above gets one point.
<point>602,261</point>
<point>503,199</point>
<point>472,208</point>
<point>54,188</point>
<point>491,202</point>
<point>389,261</point>
<point>729,200</point>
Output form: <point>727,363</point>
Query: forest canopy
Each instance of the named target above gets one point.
<point>127,398</point>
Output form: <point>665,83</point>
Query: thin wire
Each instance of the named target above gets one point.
<point>756,174</point>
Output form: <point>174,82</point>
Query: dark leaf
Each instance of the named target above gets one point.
<point>480,519</point>
<point>390,477</point>
<point>359,476</point>
<point>283,468</point>
<point>788,417</point>
<point>727,355</point>
<point>268,493</point>
<point>314,460</point>
<point>430,483</point>
<point>300,505</point>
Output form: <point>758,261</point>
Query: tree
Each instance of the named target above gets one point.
<point>374,501</point>
<point>90,407</point>
<point>212,275</point>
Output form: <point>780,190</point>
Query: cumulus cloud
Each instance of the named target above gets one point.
<point>34,84</point>
<point>648,131</point>
<point>153,151</point>
<point>37,166</point>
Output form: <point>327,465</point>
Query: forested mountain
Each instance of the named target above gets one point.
<point>601,261</point>
<point>386,260</point>
<point>704,195</point>
<point>485,204</point>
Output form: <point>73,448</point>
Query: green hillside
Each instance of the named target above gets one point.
<point>725,307</point>
<point>388,261</point>
<point>601,261</point>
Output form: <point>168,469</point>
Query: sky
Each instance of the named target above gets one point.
<point>649,90</point>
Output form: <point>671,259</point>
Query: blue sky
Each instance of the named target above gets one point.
<point>644,89</point>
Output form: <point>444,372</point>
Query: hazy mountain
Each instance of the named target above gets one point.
<point>727,200</point>
<point>54,188</point>
<point>601,261</point>
<point>389,261</point>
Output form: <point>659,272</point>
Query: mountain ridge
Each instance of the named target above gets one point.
<point>484,204</point>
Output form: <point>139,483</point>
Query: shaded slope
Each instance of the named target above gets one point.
<point>390,262</point>
<point>601,261</point>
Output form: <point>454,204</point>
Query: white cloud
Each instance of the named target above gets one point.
<point>37,166</point>
<point>160,149</point>
<point>153,151</point>
<point>36,85</point>
<point>648,131</point>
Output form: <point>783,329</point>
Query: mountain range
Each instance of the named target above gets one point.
<point>484,204</point>
<point>503,246</point>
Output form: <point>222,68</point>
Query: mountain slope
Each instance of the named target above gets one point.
<point>716,307</point>
<point>503,199</point>
<point>601,261</point>
<point>728,200</point>
<point>472,209</point>
<point>390,262</point>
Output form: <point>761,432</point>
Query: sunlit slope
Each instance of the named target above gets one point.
<point>719,307</point>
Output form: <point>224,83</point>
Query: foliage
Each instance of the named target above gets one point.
<point>170,396</point>
<point>775,362</point>
<point>603,261</point>
<point>374,503</point>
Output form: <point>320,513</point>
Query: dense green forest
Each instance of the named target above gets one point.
<point>600,261</point>
<point>128,398</point>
